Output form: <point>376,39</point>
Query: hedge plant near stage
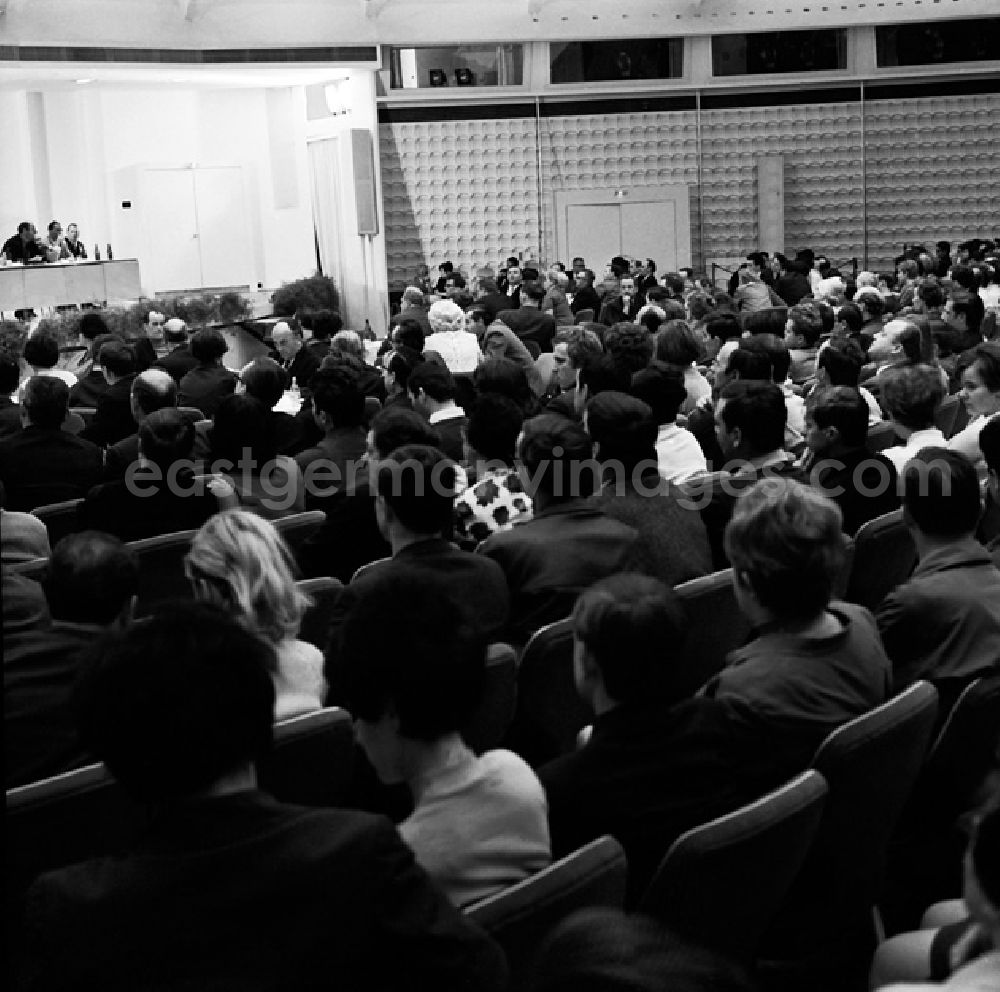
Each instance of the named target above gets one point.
<point>316,292</point>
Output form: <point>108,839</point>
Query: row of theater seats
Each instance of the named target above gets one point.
<point>786,884</point>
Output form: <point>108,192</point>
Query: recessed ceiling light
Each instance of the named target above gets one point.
<point>82,81</point>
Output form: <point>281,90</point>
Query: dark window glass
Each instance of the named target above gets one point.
<point>628,58</point>
<point>779,51</point>
<point>456,65</point>
<point>935,42</point>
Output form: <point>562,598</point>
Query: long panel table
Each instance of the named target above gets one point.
<point>52,284</point>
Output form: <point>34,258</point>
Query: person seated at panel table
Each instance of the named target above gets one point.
<point>227,888</point>
<point>815,663</point>
<point>73,243</point>
<point>160,495</point>
<point>25,246</point>
<point>91,586</point>
<point>42,463</point>
<point>55,245</point>
<point>210,382</point>
<point>244,452</point>
<point>412,671</point>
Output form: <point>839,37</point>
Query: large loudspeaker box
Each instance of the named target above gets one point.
<point>364,180</point>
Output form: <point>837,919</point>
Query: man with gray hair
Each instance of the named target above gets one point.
<point>348,344</point>
<point>413,307</point>
<point>178,362</point>
<point>152,390</point>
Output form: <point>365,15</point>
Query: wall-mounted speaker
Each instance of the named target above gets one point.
<point>363,155</point>
<point>439,77</point>
<point>464,77</point>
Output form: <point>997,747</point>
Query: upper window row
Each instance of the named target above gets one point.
<point>930,43</point>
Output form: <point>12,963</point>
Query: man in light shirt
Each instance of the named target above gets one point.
<point>911,395</point>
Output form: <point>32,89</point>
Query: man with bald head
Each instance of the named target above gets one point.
<point>412,307</point>
<point>152,390</point>
<point>298,362</point>
<point>179,361</point>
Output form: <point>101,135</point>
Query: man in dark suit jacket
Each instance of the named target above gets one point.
<point>152,390</point>
<point>159,499</point>
<point>297,360</point>
<point>43,463</point>
<point>585,296</point>
<point>10,412</point>
<point>114,420</point>
<point>210,382</point>
<point>93,384</point>
<point>179,361</point>
<point>527,321</point>
<point>412,307</point>
<point>569,544</point>
<point>415,490</point>
<point>656,763</point>
<point>228,888</point>
<point>91,586</point>
<point>432,390</point>
<point>793,284</point>
<point>264,379</point>
<point>350,537</point>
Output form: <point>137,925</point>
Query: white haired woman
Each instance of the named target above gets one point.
<point>240,562</point>
<point>452,339</point>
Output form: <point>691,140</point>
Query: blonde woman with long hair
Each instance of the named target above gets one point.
<point>240,562</point>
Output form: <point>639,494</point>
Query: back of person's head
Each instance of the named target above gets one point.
<point>92,324</point>
<point>434,379</point>
<point>241,425</point>
<point>97,345</point>
<point>494,426</point>
<point>117,358</point>
<point>600,373</point>
<point>93,578</point>
<point>931,293</point>
<point>445,316</point>
<point>632,627</point>
<point>852,317</point>
<point>418,484</point>
<point>396,426</point>
<point>842,360</point>
<point>624,429</point>
<point>700,305</point>
<point>239,561</point>
<point>41,350</point>
<point>677,344</point>
<point>407,646</point>
<point>661,387</point>
<point>758,409</point>
<point>965,277</point>
<point>844,408</point>
<point>348,343</point>
<point>554,451</point>
<point>872,300</point>
<point>775,349</point>
<point>410,334</point>
<point>326,323</point>
<point>414,296</point>
<point>503,377</point>
<point>46,401</point>
<point>806,323</point>
<point>177,701</point>
<point>532,290</point>
<point>337,392</point>
<point>154,389</point>
<point>608,950</point>
<point>941,493</point>
<point>912,341</point>
<point>785,544</point>
<point>630,345</point>
<point>166,436</point>
<point>749,363</point>
<point>770,321</point>
<point>403,361</point>
<point>208,346</point>
<point>581,345</point>
<point>724,326</point>
<point>175,331</point>
<point>264,380</point>
<point>911,394</point>
<point>10,373</point>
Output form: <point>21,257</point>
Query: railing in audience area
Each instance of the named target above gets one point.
<point>716,267</point>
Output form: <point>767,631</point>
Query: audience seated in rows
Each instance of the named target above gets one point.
<point>672,544</point>
<point>91,586</point>
<point>911,395</point>
<point>496,500</point>
<point>209,382</point>
<point>238,561</point>
<point>569,542</point>
<point>943,625</point>
<point>656,763</point>
<point>862,484</point>
<point>226,881</point>
<point>42,463</point>
<point>814,663</point>
<point>412,673</point>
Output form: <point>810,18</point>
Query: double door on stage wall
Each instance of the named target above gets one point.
<point>637,222</point>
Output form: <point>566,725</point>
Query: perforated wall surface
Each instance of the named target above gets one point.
<point>466,190</point>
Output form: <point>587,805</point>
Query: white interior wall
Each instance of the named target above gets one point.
<point>17,190</point>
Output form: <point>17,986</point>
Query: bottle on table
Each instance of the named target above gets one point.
<point>108,246</point>
<point>97,253</point>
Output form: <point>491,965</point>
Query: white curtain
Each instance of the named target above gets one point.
<point>324,171</point>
